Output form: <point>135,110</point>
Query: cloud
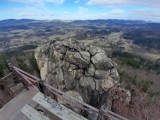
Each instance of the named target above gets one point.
<point>39,12</point>
<point>117,11</point>
<point>39,1</point>
<point>26,14</point>
<point>146,14</point>
<point>34,12</point>
<point>85,13</point>
<point>65,12</point>
<point>76,1</point>
<point>114,3</point>
<point>82,10</point>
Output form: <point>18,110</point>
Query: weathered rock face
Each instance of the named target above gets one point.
<point>71,65</point>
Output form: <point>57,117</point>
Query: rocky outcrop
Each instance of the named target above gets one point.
<point>74,66</point>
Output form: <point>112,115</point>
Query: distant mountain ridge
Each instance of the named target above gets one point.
<point>96,20</point>
<point>4,24</point>
<point>16,20</point>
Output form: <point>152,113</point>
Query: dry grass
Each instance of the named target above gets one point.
<point>141,107</point>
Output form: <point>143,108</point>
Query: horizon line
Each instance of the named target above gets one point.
<point>78,19</point>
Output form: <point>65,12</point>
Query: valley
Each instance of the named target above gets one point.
<point>133,45</point>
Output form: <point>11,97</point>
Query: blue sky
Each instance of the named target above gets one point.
<point>148,10</point>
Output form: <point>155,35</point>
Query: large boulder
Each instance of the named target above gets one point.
<point>101,74</point>
<point>101,61</point>
<point>91,71</point>
<point>74,66</point>
<point>87,81</point>
<point>77,59</point>
<point>94,50</point>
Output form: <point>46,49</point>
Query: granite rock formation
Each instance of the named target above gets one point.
<point>76,66</point>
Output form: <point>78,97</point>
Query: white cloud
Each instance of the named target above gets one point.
<point>76,1</point>
<point>65,12</point>
<point>39,1</point>
<point>43,12</point>
<point>82,10</point>
<point>34,12</point>
<point>147,14</point>
<point>114,3</point>
<point>39,12</point>
<point>26,14</point>
<point>84,13</point>
<point>117,11</point>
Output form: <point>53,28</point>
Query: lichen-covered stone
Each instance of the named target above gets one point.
<point>70,65</point>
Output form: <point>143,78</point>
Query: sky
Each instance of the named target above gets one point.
<point>148,10</point>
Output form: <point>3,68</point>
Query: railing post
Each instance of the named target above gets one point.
<point>40,86</point>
